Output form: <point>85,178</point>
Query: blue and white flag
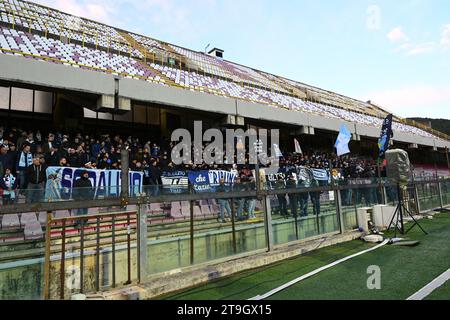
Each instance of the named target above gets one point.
<point>277,151</point>
<point>342,141</point>
<point>321,174</point>
<point>386,135</point>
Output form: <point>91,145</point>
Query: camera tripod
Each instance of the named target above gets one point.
<point>398,216</point>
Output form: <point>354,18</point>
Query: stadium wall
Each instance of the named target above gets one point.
<point>49,75</point>
<point>29,72</point>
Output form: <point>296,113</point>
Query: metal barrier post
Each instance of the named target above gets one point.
<point>268,223</point>
<point>128,249</point>
<point>82,257</point>
<point>233,224</point>
<point>47,256</point>
<point>385,201</point>
<point>191,231</point>
<point>97,255</point>
<point>142,244</point>
<point>441,200</point>
<point>62,275</point>
<point>417,200</point>
<point>125,163</point>
<point>113,240</point>
<point>339,210</point>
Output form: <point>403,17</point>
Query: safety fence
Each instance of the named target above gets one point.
<point>120,241</point>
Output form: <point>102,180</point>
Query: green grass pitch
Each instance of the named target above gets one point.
<point>404,271</point>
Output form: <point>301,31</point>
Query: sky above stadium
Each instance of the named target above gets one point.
<point>395,53</point>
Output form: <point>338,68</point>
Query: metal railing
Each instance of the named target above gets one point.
<point>84,233</point>
<point>127,245</point>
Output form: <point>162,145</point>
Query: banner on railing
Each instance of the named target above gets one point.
<point>175,181</point>
<point>208,180</point>
<point>305,176</point>
<point>105,183</point>
<point>216,175</point>
<point>200,181</point>
<point>272,178</point>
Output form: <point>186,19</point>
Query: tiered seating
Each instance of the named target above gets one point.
<point>150,44</point>
<point>28,218</point>
<point>10,221</point>
<point>33,231</point>
<point>225,69</point>
<point>71,54</point>
<point>45,34</point>
<point>29,15</point>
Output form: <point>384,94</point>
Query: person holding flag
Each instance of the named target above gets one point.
<point>384,143</point>
<point>385,137</point>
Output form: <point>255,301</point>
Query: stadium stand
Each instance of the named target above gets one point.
<point>41,33</point>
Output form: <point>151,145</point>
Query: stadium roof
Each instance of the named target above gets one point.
<point>42,33</point>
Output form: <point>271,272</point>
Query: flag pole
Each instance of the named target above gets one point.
<point>380,182</point>
<point>448,163</point>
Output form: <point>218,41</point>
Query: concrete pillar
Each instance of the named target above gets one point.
<point>125,162</point>
<point>416,197</point>
<point>142,243</point>
<point>268,223</point>
<point>441,201</point>
<point>105,103</point>
<point>124,105</point>
<point>339,212</point>
<point>383,190</point>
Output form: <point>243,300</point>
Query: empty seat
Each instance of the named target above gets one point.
<point>42,218</point>
<point>27,218</point>
<point>175,212</point>
<point>176,205</point>
<point>156,208</point>
<point>10,221</point>
<point>206,210</point>
<point>197,211</point>
<point>62,214</point>
<point>186,211</point>
<point>215,208</point>
<point>33,231</point>
<point>185,204</point>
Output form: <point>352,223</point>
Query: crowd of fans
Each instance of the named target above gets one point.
<point>25,156</point>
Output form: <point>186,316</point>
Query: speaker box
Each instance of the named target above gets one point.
<point>398,166</point>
